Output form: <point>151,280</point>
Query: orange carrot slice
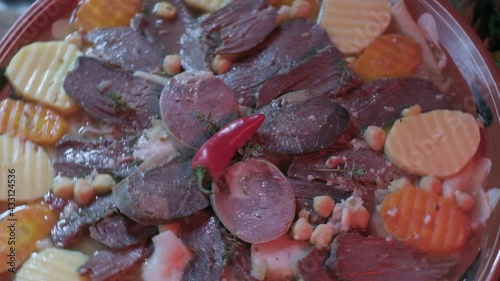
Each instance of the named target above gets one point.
<point>390,55</point>
<point>31,121</point>
<point>31,224</point>
<point>92,14</point>
<point>432,223</point>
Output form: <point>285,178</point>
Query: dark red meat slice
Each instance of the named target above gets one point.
<point>354,257</point>
<point>78,157</point>
<point>301,122</point>
<point>108,265</point>
<point>241,264</point>
<point>232,13</point>
<point>160,190</point>
<point>117,231</point>
<point>311,266</point>
<point>380,102</point>
<point>189,100</point>
<point>255,201</point>
<point>67,230</point>
<point>112,96</point>
<point>281,53</point>
<point>206,237</point>
<point>194,51</point>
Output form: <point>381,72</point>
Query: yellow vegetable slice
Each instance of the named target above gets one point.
<point>38,70</point>
<point>31,224</point>
<point>437,143</point>
<point>53,264</point>
<point>207,5</point>
<point>352,25</point>
<point>34,122</point>
<point>92,14</point>
<point>25,169</point>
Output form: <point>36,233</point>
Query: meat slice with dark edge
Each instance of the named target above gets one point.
<point>67,230</point>
<point>301,122</point>
<point>357,258</point>
<point>380,102</point>
<point>240,261</point>
<point>117,231</point>
<point>78,157</point>
<point>207,238</point>
<point>160,190</point>
<point>231,13</point>
<point>191,103</point>
<point>112,96</point>
<point>108,265</point>
<point>311,266</point>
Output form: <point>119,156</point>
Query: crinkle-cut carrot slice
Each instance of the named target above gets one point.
<point>432,223</point>
<point>21,229</point>
<point>390,55</point>
<point>31,121</point>
<point>92,14</point>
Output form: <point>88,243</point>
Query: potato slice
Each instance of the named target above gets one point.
<point>53,264</point>
<point>34,122</point>
<point>353,25</point>
<point>92,14</point>
<point>28,168</point>
<point>38,70</point>
<point>438,143</point>
<point>31,224</point>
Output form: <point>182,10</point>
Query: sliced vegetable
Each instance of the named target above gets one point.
<point>53,264</point>
<point>214,155</point>
<point>432,223</point>
<point>34,122</point>
<point>439,142</point>
<point>255,201</point>
<point>353,25</point>
<point>38,70</point>
<point>390,55</point>
<point>26,171</point>
<point>92,14</point>
<point>21,229</point>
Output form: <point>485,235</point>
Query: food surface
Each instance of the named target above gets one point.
<point>239,140</point>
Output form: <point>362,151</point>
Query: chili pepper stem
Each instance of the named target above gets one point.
<point>200,173</point>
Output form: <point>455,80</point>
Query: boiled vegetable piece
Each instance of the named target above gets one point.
<point>207,5</point>
<point>390,55</point>
<point>437,143</point>
<point>28,168</point>
<point>53,264</point>
<point>37,72</point>
<point>34,122</point>
<point>432,223</point>
<point>31,224</point>
<point>352,25</point>
<point>256,202</point>
<point>92,14</point>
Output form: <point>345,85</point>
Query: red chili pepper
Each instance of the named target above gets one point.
<point>214,155</point>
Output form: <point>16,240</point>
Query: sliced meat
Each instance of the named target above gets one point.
<point>241,263</point>
<point>194,50</point>
<point>192,103</point>
<point>67,230</point>
<point>311,266</point>
<point>380,102</point>
<point>255,201</point>
<point>117,231</point>
<point>321,71</point>
<point>112,96</point>
<point>78,157</point>
<point>354,257</point>
<point>206,237</point>
<point>160,190</point>
<point>281,53</point>
<point>231,13</point>
<point>301,122</point>
<point>108,265</point>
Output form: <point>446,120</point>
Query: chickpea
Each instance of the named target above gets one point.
<point>322,235</point>
<point>302,230</point>
<point>63,187</point>
<point>102,183</point>
<point>431,183</point>
<point>412,110</point>
<point>323,205</point>
<point>83,192</point>
<point>172,64</point>
<point>375,137</point>
<point>300,9</point>
<point>221,64</point>
<point>165,10</point>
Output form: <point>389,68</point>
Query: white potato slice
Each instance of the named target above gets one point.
<point>38,70</point>
<point>439,142</point>
<point>353,25</point>
<point>53,264</point>
<point>28,168</point>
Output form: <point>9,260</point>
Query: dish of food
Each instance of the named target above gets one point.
<point>247,140</point>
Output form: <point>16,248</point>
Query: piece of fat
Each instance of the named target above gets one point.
<point>169,259</point>
<point>277,259</point>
